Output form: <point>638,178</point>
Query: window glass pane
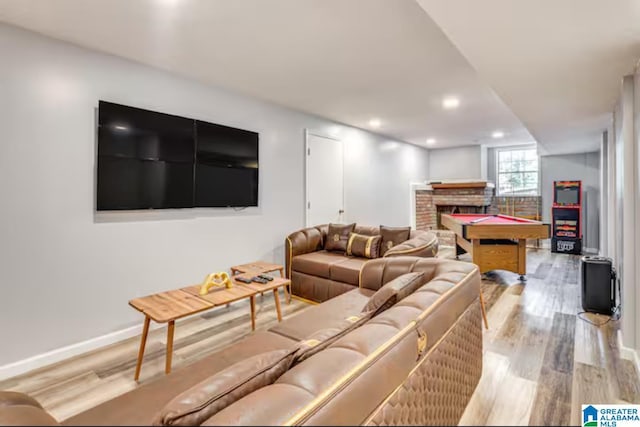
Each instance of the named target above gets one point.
<point>504,156</point>
<point>517,172</point>
<point>517,155</point>
<point>504,186</point>
<point>531,181</point>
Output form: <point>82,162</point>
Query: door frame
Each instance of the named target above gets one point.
<point>308,132</point>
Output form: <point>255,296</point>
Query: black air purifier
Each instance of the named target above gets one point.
<point>598,284</point>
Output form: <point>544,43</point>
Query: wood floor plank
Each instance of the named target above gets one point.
<point>479,408</point>
<point>559,352</point>
<point>591,384</point>
<point>590,345</point>
<point>520,394</point>
<point>498,315</point>
<point>549,411</point>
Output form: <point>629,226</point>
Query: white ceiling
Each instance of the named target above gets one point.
<point>557,63</point>
<point>347,60</point>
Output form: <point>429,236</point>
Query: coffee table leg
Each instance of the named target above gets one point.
<point>281,271</point>
<point>277,299</point>
<point>143,343</point>
<point>170,329</point>
<point>253,312</point>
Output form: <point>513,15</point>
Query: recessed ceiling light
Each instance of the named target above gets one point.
<point>431,141</point>
<point>450,102</point>
<point>497,134</point>
<point>375,123</point>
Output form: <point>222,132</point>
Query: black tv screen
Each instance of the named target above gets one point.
<point>226,166</point>
<point>150,160</point>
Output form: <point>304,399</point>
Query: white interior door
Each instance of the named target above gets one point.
<point>325,180</point>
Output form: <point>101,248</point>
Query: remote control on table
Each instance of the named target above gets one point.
<point>265,277</point>
<point>258,280</point>
<point>243,279</point>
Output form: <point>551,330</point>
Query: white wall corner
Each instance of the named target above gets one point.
<point>484,174</point>
<point>628,353</point>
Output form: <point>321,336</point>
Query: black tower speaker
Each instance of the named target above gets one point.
<point>598,284</point>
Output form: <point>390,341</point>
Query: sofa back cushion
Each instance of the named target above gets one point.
<point>202,401</point>
<point>325,337</point>
<point>393,291</point>
<point>367,230</point>
<point>392,236</point>
<point>363,246</point>
<point>338,237</point>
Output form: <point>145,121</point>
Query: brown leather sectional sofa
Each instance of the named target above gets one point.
<point>318,275</point>
<point>417,362</point>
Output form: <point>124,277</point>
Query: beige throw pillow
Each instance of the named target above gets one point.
<point>199,403</point>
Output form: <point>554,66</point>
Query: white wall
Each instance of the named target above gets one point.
<point>66,272</point>
<point>586,168</point>
<point>604,185</point>
<point>624,240</point>
<point>455,163</point>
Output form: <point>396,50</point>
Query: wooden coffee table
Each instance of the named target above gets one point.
<point>257,267</point>
<point>167,307</point>
<point>261,267</point>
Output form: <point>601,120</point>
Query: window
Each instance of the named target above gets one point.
<point>518,172</point>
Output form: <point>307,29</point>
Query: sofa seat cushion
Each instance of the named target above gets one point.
<point>317,263</point>
<point>329,314</point>
<point>199,403</point>
<point>320,340</point>
<point>139,406</point>
<point>347,270</point>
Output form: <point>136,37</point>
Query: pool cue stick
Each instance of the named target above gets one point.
<point>475,221</point>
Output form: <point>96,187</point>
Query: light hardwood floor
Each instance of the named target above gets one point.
<point>541,362</point>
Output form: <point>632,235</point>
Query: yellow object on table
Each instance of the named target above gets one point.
<point>215,279</point>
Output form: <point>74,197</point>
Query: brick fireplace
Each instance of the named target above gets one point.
<point>454,197</point>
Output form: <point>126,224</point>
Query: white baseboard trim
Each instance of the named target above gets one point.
<point>628,353</point>
<point>49,358</point>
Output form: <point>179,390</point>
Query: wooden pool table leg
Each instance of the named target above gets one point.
<point>484,311</point>
<point>522,259</point>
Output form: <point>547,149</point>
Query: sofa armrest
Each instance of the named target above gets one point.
<point>18,409</point>
<point>302,242</point>
<point>424,244</point>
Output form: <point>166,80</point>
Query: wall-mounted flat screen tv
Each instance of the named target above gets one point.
<point>151,160</point>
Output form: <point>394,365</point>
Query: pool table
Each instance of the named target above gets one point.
<point>495,242</point>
